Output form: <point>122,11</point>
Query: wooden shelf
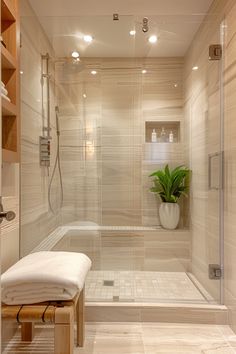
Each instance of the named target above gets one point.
<point>10,32</point>
<point>8,61</point>
<point>8,108</point>
<point>7,11</point>
<point>9,156</point>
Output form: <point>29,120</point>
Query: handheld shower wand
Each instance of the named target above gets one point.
<point>57,120</point>
<point>56,163</point>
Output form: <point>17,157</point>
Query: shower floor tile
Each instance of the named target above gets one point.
<point>141,286</point>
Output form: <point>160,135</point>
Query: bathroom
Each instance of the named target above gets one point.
<point>104,97</point>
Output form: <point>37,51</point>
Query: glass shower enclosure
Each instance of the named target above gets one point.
<point>110,100</point>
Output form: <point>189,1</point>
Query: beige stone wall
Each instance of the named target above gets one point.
<point>10,230</point>
<point>134,250</point>
<point>109,183</point>
<point>36,219</point>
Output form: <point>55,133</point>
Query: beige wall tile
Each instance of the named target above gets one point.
<point>36,219</point>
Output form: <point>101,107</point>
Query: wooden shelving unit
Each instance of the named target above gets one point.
<point>10,77</point>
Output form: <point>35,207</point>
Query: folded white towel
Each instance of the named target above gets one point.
<point>4,91</point>
<point>6,98</point>
<point>45,276</point>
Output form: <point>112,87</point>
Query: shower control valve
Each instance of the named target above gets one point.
<point>44,145</point>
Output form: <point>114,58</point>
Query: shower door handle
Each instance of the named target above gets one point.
<point>8,215</point>
<point>220,158</point>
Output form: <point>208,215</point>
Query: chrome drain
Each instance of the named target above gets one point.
<point>108,283</point>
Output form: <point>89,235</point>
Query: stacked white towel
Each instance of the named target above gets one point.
<point>4,92</point>
<point>45,276</point>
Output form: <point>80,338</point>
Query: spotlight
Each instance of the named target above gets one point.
<point>195,68</point>
<point>75,54</point>
<point>144,71</point>
<point>88,38</point>
<point>132,32</point>
<point>152,39</point>
<point>93,72</point>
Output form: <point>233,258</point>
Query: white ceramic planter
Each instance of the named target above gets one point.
<point>169,215</point>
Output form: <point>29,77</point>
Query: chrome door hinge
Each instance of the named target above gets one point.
<point>215,52</point>
<point>215,271</point>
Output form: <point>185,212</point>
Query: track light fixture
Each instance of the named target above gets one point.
<point>115,17</point>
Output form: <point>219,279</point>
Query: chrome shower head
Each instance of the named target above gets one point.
<point>145,25</point>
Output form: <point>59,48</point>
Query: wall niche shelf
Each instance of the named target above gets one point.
<point>167,126</point>
<point>10,99</point>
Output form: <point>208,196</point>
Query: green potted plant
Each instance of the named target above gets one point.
<point>170,185</point>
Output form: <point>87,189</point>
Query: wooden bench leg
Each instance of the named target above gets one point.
<point>27,331</point>
<point>80,320</point>
<point>64,330</point>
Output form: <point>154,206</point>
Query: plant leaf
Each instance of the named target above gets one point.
<point>171,184</point>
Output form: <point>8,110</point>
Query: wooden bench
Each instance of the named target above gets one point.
<point>60,313</point>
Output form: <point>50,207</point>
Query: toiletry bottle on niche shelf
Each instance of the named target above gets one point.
<point>154,136</point>
<point>163,135</point>
<point>171,137</point>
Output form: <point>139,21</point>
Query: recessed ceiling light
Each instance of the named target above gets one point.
<point>84,95</point>
<point>88,38</point>
<point>75,54</point>
<point>195,68</point>
<point>144,71</point>
<point>93,72</point>
<point>152,39</point>
<point>175,85</point>
<point>21,72</point>
<point>132,32</point>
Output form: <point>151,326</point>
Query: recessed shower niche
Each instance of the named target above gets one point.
<point>162,131</point>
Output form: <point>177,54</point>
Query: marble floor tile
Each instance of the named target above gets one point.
<point>228,335</point>
<point>189,349</point>
<point>182,338</point>
<point>137,338</point>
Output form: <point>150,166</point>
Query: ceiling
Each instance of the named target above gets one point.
<point>175,23</point>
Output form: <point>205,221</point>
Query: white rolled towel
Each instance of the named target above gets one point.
<point>45,276</point>
<point>4,91</point>
<point>6,97</point>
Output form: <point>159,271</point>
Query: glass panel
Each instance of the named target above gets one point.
<point>205,110</point>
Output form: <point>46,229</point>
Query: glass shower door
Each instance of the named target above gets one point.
<point>206,158</point>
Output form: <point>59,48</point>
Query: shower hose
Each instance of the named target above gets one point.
<point>57,163</point>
